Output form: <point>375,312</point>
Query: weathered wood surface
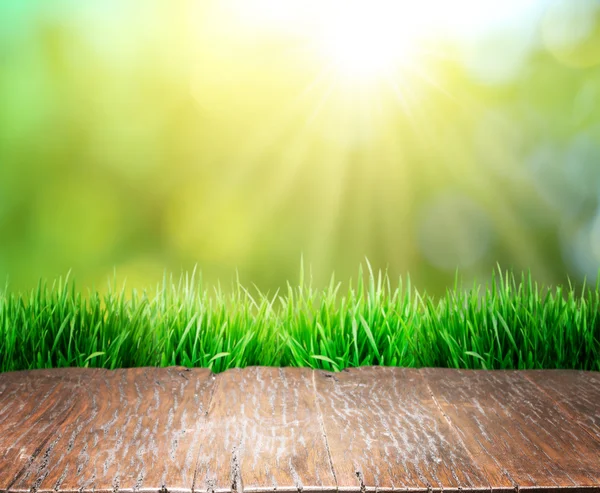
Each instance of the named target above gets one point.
<point>128,430</point>
<point>32,405</point>
<point>385,432</point>
<point>263,434</point>
<point>576,394</point>
<point>261,430</point>
<point>515,431</point>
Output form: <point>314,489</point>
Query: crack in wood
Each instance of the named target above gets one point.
<point>295,477</point>
<point>322,427</point>
<point>214,386</point>
<point>237,486</point>
<point>361,481</point>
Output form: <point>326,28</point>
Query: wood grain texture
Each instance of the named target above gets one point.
<point>32,405</point>
<point>576,393</point>
<point>291,430</point>
<point>263,434</point>
<point>385,432</point>
<point>511,427</point>
<point>130,430</point>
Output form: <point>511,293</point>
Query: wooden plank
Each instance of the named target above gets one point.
<point>576,393</point>
<point>262,435</point>
<point>131,430</point>
<point>32,405</point>
<point>288,430</point>
<point>385,432</point>
<point>507,423</point>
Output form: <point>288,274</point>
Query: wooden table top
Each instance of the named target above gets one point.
<point>260,430</point>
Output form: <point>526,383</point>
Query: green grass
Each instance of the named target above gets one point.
<point>510,323</point>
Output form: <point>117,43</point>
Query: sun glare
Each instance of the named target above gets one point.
<point>360,40</point>
<point>366,40</point>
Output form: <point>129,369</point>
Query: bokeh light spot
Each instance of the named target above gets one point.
<point>581,246</point>
<point>454,232</point>
<point>571,32</point>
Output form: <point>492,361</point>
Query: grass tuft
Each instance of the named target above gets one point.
<point>512,323</point>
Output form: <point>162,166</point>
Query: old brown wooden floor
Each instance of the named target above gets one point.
<point>293,430</point>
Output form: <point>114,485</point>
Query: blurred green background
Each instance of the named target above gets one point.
<point>144,135</point>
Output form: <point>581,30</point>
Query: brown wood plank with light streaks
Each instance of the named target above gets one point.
<point>263,434</point>
<point>385,432</point>
<point>131,430</point>
<point>507,422</point>
<point>577,394</point>
<point>262,430</point>
<point>32,405</point>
